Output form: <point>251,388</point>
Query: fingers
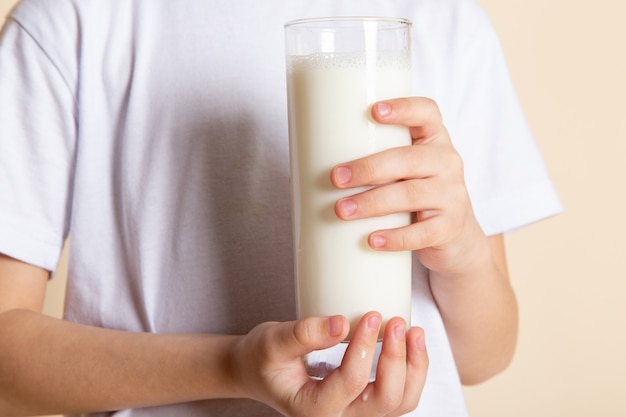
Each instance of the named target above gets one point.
<point>398,164</point>
<point>400,376</point>
<point>417,370</point>
<point>342,386</point>
<point>408,162</point>
<point>399,197</point>
<point>391,165</point>
<point>431,233</point>
<point>392,394</point>
<point>441,202</point>
<point>426,178</point>
<point>386,394</point>
<point>423,118</point>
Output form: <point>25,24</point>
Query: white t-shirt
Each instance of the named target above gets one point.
<point>156,132</point>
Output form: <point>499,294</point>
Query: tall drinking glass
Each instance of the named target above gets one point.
<point>336,69</point>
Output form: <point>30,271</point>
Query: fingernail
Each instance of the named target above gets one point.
<point>335,326</point>
<point>383,109</point>
<point>347,207</point>
<point>373,323</point>
<point>421,342</point>
<point>343,175</point>
<point>378,241</point>
<point>398,331</point>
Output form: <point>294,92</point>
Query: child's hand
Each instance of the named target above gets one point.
<point>268,366</point>
<point>425,178</point>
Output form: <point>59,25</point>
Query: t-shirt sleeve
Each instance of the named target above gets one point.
<point>37,143</point>
<point>504,170</point>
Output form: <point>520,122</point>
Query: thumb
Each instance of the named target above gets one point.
<point>300,337</point>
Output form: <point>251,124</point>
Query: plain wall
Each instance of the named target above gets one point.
<point>568,61</point>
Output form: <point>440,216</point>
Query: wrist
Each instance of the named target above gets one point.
<point>220,377</point>
<point>473,257</point>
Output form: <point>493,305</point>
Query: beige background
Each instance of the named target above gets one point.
<point>568,61</point>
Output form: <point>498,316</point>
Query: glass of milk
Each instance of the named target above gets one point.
<point>336,69</point>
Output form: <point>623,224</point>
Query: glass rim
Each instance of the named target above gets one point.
<point>401,21</point>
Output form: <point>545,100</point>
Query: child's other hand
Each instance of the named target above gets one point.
<point>427,179</point>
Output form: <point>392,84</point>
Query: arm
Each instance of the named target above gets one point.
<point>53,366</point>
<point>468,273</point>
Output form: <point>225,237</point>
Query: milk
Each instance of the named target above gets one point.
<point>330,97</point>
